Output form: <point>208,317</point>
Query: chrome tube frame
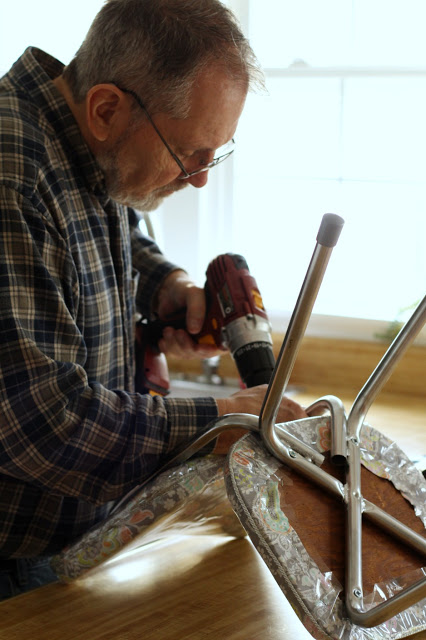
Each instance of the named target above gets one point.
<point>188,449</point>
<point>214,429</point>
<point>345,447</point>
<point>339,449</point>
<point>356,505</point>
<point>289,349</point>
<point>345,433</point>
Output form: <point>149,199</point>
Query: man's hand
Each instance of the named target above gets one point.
<point>250,401</point>
<point>179,292</point>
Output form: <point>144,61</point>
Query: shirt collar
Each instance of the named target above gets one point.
<point>32,74</point>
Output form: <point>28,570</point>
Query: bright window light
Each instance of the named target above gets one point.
<point>341,130</point>
<point>56,27</point>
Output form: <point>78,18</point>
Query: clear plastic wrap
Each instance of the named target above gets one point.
<point>189,499</point>
<point>257,486</point>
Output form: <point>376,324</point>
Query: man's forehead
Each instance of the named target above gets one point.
<point>215,106</point>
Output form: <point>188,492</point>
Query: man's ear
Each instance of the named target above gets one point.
<point>107,111</point>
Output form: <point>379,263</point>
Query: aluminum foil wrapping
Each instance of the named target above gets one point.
<point>255,488</point>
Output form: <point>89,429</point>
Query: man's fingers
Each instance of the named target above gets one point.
<point>178,343</point>
<point>195,309</point>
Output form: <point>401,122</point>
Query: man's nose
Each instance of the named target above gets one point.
<point>199,180</point>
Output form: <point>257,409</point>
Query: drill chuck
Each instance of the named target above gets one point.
<point>249,340</point>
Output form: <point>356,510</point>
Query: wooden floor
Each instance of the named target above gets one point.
<point>195,588</point>
<point>402,418</point>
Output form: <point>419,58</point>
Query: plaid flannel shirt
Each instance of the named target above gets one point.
<point>73,433</point>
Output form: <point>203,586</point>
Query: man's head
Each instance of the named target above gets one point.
<point>188,68</point>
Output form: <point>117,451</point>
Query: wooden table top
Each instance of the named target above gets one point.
<point>189,589</point>
<point>193,588</point>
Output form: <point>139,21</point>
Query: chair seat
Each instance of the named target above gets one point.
<point>299,529</point>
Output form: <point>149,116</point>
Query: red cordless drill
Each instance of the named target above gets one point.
<point>235,319</point>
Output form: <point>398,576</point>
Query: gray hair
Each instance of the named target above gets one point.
<point>157,48</point>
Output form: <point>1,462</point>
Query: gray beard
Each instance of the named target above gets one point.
<point>117,191</point>
<point>149,202</point>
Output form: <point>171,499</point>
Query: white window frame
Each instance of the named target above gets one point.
<point>206,223</point>
<point>191,226</point>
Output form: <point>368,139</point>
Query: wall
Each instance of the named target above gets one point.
<point>337,365</point>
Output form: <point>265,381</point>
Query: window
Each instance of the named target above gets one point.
<point>341,129</point>
<point>57,28</point>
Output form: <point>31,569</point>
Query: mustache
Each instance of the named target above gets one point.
<point>178,185</point>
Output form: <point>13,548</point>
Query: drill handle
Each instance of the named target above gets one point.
<point>153,330</point>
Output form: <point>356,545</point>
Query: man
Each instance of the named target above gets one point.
<point>155,90</point>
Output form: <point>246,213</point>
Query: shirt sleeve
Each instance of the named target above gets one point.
<point>151,264</point>
<point>59,429</point>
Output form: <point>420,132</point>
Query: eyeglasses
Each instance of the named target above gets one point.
<point>221,154</point>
